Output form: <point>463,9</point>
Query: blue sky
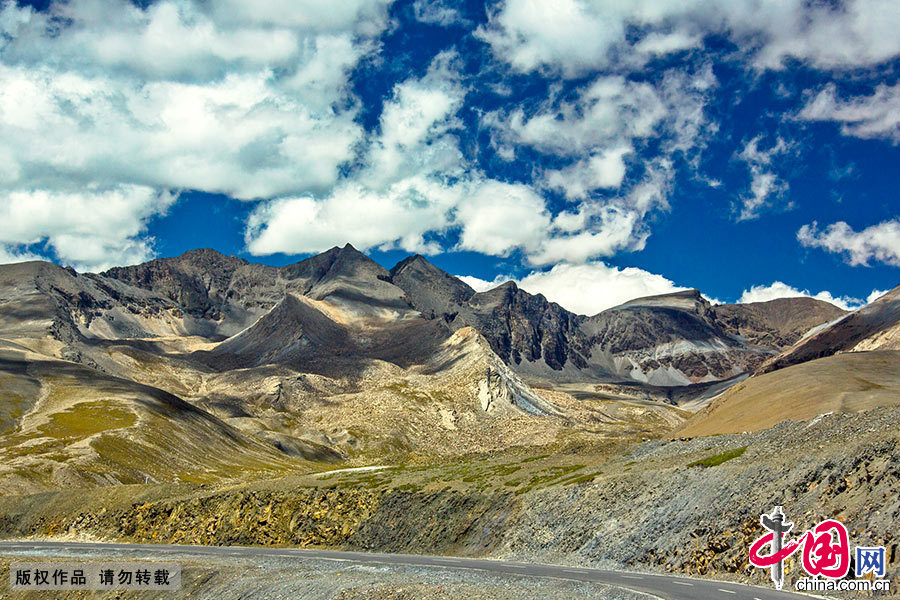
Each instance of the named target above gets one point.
<point>591,151</point>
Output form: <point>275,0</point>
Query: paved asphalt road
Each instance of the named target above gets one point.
<point>664,586</point>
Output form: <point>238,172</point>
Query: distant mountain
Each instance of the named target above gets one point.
<point>776,324</point>
<point>875,326</point>
<point>673,339</point>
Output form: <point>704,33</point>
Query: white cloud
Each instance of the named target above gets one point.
<point>585,289</point>
<point>875,116</point>
<point>603,227</point>
<point>875,295</point>
<point>239,137</point>
<point>482,285</point>
<point>609,110</point>
<point>123,102</point>
<point>571,37</point>
<point>879,242</point>
<point>611,229</point>
<point>500,217</point>
<point>416,125</point>
<point>777,289</point>
<point>597,129</point>
<point>766,187</point>
<point>605,169</point>
<point>399,192</point>
<point>90,230</point>
<point>398,216</point>
<point>9,254</point>
<point>857,33</point>
<point>657,43</point>
<point>565,35</point>
<point>363,17</point>
<point>180,40</point>
<point>437,12</point>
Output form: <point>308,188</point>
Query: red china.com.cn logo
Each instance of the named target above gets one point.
<point>825,552</point>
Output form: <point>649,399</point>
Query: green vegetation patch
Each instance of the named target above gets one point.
<point>549,476</point>
<point>86,419</point>
<point>718,459</point>
<point>582,478</point>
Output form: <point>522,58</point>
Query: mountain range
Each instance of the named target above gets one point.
<point>208,367</point>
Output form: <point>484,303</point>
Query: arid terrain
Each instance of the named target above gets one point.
<point>333,403</point>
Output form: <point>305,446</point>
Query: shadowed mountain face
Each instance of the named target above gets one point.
<point>673,339</point>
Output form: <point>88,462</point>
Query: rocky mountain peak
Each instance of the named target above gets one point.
<point>349,274</point>
<point>432,291</point>
<point>691,300</point>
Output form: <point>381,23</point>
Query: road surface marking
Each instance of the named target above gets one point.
<point>727,591</point>
<point>690,584</point>
<point>573,571</point>
<point>631,577</point>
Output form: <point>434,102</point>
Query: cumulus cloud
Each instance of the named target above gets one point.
<point>596,130</point>
<point>874,116</point>
<point>777,289</point>
<point>875,295</point>
<point>238,137</point>
<point>766,187</point>
<point>400,191</point>
<point>398,216</point>
<point>416,127</point>
<point>879,242</point>
<point>610,108</point>
<point>90,230</point>
<point>586,288</point>
<point>572,37</point>
<point>500,217</point>
<point>603,169</point>
<point>114,98</point>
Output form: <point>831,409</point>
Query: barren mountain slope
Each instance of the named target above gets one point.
<point>776,324</point>
<point>669,340</point>
<point>849,382</point>
<point>64,425</point>
<point>335,358</point>
<point>872,327</point>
